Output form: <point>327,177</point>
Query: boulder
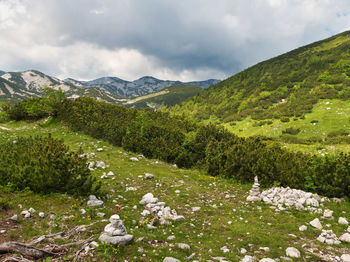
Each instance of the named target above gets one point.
<point>345,258</point>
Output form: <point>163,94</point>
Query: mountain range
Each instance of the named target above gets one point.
<point>17,85</point>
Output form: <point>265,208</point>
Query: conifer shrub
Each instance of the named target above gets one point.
<point>44,165</point>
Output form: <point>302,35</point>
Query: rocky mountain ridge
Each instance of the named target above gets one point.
<point>17,85</point>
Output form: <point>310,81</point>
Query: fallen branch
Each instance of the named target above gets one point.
<point>41,238</point>
<point>25,250</point>
<point>17,259</point>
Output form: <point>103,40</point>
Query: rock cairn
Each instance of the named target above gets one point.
<point>158,209</point>
<point>254,193</point>
<point>328,237</point>
<point>115,232</point>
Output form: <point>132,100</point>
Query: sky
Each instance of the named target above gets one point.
<point>183,40</point>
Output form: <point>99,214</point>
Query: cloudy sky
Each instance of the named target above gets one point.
<point>183,39</point>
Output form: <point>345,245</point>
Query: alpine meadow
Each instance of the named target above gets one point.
<point>255,167</point>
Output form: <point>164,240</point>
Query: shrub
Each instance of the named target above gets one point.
<point>291,131</point>
<point>44,165</point>
<point>284,119</point>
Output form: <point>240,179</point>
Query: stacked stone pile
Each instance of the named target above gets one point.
<point>115,232</point>
<point>164,213</point>
<point>254,193</point>
<point>328,237</point>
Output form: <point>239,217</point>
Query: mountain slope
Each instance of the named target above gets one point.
<point>285,86</point>
<point>169,96</point>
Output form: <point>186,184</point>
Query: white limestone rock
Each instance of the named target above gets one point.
<point>32,210</point>
<point>94,202</point>
<point>267,260</point>
<point>14,217</point>
<point>247,259</point>
<point>100,164</point>
<point>195,209</point>
<point>292,252</point>
<point>25,214</point>
<point>170,259</point>
<point>343,221</point>
<point>345,237</point>
<point>183,246</point>
<point>41,214</point>
<point>302,228</point>
<point>345,258</point>
<point>149,176</point>
<point>134,159</point>
<point>328,237</point>
<point>328,214</point>
<point>316,223</point>
<point>116,240</point>
<point>148,199</point>
<point>110,173</point>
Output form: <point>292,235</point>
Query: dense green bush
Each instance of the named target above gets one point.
<point>44,165</point>
<point>291,131</point>
<point>209,147</point>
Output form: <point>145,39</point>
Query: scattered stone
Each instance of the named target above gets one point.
<point>41,214</point>
<point>267,260</point>
<point>25,214</point>
<point>170,259</point>
<point>99,149</point>
<point>149,176</point>
<point>345,258</point>
<point>83,211</point>
<point>100,164</point>
<point>243,251</point>
<point>14,217</point>
<point>316,223</point>
<point>110,173</point>
<point>348,229</point>
<point>302,228</point>
<point>183,246</point>
<point>286,259</point>
<point>343,221</point>
<point>190,257</point>
<point>254,193</point>
<point>130,189</point>
<point>247,259</point>
<point>287,197</point>
<point>292,252</point>
<point>328,214</point>
<point>225,249</point>
<point>3,231</point>
<point>266,249</point>
<point>100,214</point>
<point>94,202</point>
<point>134,159</point>
<point>345,237</point>
<point>115,233</point>
<point>195,209</point>
<point>170,238</point>
<point>328,237</point>
<point>32,210</point>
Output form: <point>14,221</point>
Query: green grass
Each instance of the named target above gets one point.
<point>206,230</point>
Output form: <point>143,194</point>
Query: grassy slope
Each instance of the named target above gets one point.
<point>304,79</point>
<point>206,231</point>
<point>169,96</point>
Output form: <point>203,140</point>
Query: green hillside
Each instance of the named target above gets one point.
<point>286,89</point>
<point>169,97</point>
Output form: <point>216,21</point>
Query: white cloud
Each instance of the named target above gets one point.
<point>186,40</point>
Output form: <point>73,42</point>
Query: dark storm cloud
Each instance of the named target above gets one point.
<point>174,39</point>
